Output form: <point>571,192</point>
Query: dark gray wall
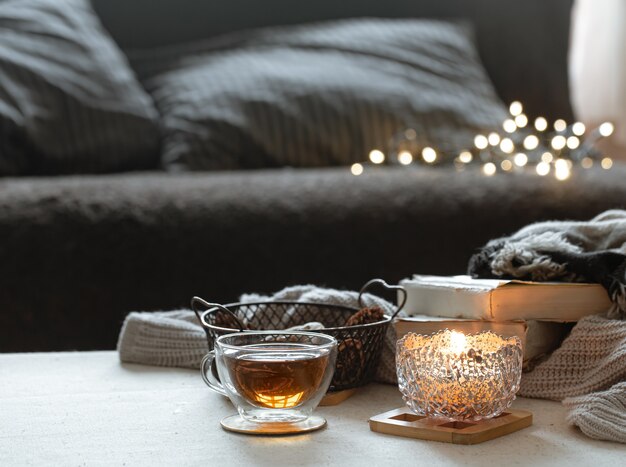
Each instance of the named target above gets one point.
<point>523,43</point>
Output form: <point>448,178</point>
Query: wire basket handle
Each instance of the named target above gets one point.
<point>198,305</point>
<point>386,286</point>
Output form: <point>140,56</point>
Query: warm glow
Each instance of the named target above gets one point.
<point>507,146</point>
<point>494,139</point>
<point>606,163</point>
<point>560,125</point>
<point>356,169</point>
<point>587,162</point>
<point>466,157</point>
<point>561,169</point>
<point>543,168</point>
<point>481,141</point>
<point>521,120</point>
<point>516,108</point>
<point>578,128</point>
<point>558,142</point>
<point>573,142</point>
<point>547,157</point>
<point>376,156</point>
<point>458,342</point>
<point>541,123</point>
<point>405,158</point>
<point>606,129</point>
<point>531,142</point>
<point>429,155</point>
<point>489,169</point>
<point>509,125</point>
<point>272,401</point>
<point>506,165</point>
<point>520,159</point>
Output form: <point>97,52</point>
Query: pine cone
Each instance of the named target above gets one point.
<point>366,315</point>
<point>350,361</point>
<point>226,320</point>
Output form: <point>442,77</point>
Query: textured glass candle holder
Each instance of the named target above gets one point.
<point>459,377</point>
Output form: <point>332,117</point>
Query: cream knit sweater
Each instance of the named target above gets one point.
<point>587,373</point>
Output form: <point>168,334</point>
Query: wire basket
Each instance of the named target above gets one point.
<point>359,347</point>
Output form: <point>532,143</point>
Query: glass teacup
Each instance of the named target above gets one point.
<point>272,376</point>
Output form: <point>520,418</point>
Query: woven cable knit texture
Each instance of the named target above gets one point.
<point>175,338</point>
<point>588,372</point>
<point>600,415</point>
<point>592,358</point>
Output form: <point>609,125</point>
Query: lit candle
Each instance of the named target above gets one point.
<point>457,376</point>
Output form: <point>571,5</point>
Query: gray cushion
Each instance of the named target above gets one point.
<point>523,44</point>
<point>320,94</point>
<point>68,99</point>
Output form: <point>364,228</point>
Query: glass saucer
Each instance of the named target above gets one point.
<point>238,424</point>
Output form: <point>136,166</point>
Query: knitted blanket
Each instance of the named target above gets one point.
<point>176,338</point>
<point>588,371</point>
<point>592,251</point>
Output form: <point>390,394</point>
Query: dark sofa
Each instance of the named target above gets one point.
<point>79,252</point>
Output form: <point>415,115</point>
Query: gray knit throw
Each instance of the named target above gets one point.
<point>592,251</point>
<point>176,338</point>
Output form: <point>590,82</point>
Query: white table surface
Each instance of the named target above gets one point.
<point>85,408</point>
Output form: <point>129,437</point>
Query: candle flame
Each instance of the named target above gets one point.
<point>458,341</point>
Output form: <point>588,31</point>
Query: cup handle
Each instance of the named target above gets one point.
<point>207,374</point>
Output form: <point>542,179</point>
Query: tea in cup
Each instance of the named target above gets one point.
<point>272,377</point>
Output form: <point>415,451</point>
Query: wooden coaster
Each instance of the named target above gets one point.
<point>403,422</point>
<point>335,398</point>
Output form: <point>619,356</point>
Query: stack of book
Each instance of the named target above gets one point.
<point>539,313</point>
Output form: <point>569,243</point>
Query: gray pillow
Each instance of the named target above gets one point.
<point>320,94</point>
<point>68,99</point>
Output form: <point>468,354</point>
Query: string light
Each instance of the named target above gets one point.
<point>429,155</point>
<point>494,139</point>
<point>558,142</point>
<point>377,156</point>
<point>489,169</point>
<point>466,157</point>
<point>573,142</point>
<point>516,108</point>
<point>561,169</point>
<point>543,169</point>
<point>507,146</point>
<point>578,128</point>
<point>509,125</point>
<point>531,142</point>
<point>521,146</point>
<point>405,158</point>
<point>410,134</point>
<point>356,169</point>
<point>481,141</point>
<point>560,125</point>
<point>606,129</point>
<point>541,124</point>
<point>521,120</point>
<point>520,159</point>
